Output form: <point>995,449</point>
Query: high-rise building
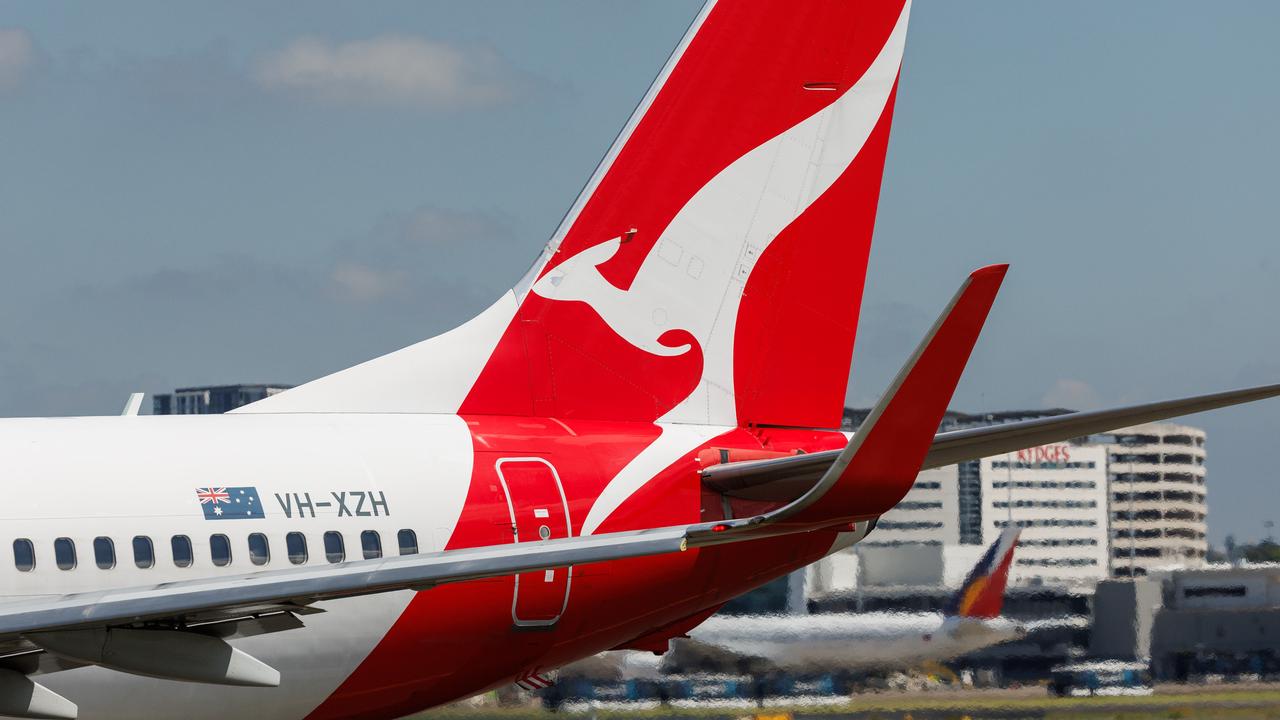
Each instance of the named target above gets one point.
<point>1157,496</point>
<point>1057,494</point>
<point>210,400</point>
<point>927,515</point>
<point>1110,504</point>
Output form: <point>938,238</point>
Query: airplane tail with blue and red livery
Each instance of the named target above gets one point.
<point>982,594</point>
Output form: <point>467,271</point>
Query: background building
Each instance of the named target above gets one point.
<point>211,399</point>
<point>1220,621</point>
<point>928,515</point>
<point>1091,508</point>
<point>1158,504</point>
<point>1057,494</point>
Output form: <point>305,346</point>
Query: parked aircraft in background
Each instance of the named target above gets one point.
<point>635,433</point>
<point>848,641</point>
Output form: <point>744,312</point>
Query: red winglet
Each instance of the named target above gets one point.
<point>881,461</point>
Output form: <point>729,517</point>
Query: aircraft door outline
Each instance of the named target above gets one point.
<point>532,487</point>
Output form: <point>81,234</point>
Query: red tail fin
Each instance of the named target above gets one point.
<point>737,211</point>
<point>731,219</point>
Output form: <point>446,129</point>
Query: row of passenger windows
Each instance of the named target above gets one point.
<point>220,552</point>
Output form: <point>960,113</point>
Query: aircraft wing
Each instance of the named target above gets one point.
<point>295,588</point>
<point>177,630</point>
<point>782,479</point>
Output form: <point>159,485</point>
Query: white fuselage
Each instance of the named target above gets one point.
<point>76,482</point>
<point>127,477</point>
<point>839,641</point>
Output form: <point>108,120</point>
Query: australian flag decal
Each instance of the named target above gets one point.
<point>230,503</point>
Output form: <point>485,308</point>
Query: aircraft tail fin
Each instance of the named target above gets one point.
<point>731,219</point>
<point>982,594</point>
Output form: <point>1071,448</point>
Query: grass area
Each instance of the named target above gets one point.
<point>1184,704</point>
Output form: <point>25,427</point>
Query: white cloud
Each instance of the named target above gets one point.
<point>17,55</point>
<point>1073,395</point>
<point>389,70</point>
<point>357,282</point>
<point>412,256</point>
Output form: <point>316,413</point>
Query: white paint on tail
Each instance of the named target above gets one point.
<point>631,315</point>
<point>694,276</point>
<point>674,442</point>
<point>433,376</point>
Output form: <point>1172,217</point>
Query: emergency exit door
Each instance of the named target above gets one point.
<point>539,512</point>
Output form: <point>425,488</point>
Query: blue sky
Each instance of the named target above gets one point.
<point>237,192</point>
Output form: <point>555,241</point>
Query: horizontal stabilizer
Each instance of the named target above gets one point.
<point>782,479</point>
<point>878,466</point>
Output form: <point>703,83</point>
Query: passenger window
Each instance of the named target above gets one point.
<point>333,550</point>
<point>182,555</point>
<point>408,542</point>
<point>296,544</point>
<point>64,553</point>
<point>144,553</point>
<point>220,550</point>
<point>259,550</point>
<point>104,553</point>
<point>24,555</point>
<point>371,544</point>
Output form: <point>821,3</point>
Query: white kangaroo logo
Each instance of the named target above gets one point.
<point>694,277</point>
<point>579,278</point>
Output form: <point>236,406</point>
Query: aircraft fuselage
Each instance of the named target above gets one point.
<point>271,485</point>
